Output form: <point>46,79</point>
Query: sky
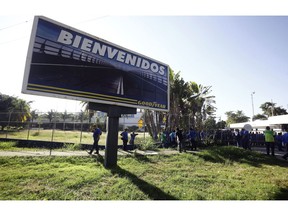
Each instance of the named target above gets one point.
<point>236,53</point>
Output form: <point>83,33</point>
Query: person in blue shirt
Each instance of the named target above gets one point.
<point>124,138</point>
<point>181,144</point>
<point>279,140</point>
<point>244,138</point>
<point>192,136</point>
<point>132,139</point>
<point>96,137</point>
<point>173,139</point>
<point>285,141</point>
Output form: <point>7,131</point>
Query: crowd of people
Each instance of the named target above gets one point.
<point>192,139</point>
<point>241,138</point>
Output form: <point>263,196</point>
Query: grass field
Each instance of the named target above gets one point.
<point>62,136</point>
<point>219,173</point>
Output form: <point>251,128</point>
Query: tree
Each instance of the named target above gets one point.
<point>201,105</point>
<point>190,103</point>
<point>33,115</point>
<point>210,123</point>
<point>221,125</point>
<point>65,116</point>
<point>236,117</point>
<point>270,109</point>
<point>260,117</point>
<point>177,93</point>
<point>13,109</point>
<point>51,115</point>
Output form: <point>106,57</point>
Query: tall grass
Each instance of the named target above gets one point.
<point>223,173</point>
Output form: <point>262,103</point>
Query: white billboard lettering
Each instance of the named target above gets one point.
<point>77,41</point>
<point>121,56</point>
<point>111,52</point>
<point>86,45</point>
<point>145,64</point>
<point>65,37</point>
<point>97,49</point>
<point>103,50</point>
<point>154,67</point>
<point>162,70</point>
<point>130,59</point>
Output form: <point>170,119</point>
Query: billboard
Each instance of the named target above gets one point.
<point>67,63</point>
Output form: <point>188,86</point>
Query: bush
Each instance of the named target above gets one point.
<point>7,145</point>
<point>36,133</point>
<point>147,144</point>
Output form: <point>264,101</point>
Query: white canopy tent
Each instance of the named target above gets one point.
<point>274,122</point>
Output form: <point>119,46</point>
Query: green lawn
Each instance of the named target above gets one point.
<point>62,136</point>
<point>220,173</point>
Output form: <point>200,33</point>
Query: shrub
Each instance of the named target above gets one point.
<point>7,145</point>
<point>36,133</point>
<point>147,144</point>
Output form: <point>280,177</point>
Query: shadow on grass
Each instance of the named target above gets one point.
<point>282,195</point>
<point>142,158</point>
<point>230,154</point>
<point>153,192</point>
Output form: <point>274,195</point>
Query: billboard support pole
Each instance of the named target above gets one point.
<point>114,113</point>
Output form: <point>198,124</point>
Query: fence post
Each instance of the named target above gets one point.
<point>81,129</point>
<point>28,134</point>
<point>9,117</point>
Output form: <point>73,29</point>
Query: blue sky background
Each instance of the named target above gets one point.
<point>236,55</point>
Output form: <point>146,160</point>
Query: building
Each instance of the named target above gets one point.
<point>278,123</point>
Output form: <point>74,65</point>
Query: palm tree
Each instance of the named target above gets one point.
<point>270,109</point>
<point>33,115</point>
<point>178,93</point>
<point>51,115</point>
<point>200,104</point>
<point>65,116</point>
<point>22,109</point>
<point>236,117</point>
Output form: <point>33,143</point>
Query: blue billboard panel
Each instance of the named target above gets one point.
<point>67,63</point>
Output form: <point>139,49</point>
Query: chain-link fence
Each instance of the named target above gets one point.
<point>59,127</point>
<point>75,128</point>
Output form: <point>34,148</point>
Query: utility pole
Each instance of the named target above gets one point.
<point>252,105</point>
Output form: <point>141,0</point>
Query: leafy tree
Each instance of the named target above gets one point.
<point>33,115</point>
<point>260,117</point>
<point>190,103</point>
<point>270,109</point>
<point>13,109</point>
<point>201,105</point>
<point>236,117</point>
<point>221,125</point>
<point>65,116</point>
<point>210,123</point>
<point>82,116</point>
<point>51,115</point>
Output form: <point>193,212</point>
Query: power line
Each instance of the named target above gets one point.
<point>11,26</point>
<point>1,43</point>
